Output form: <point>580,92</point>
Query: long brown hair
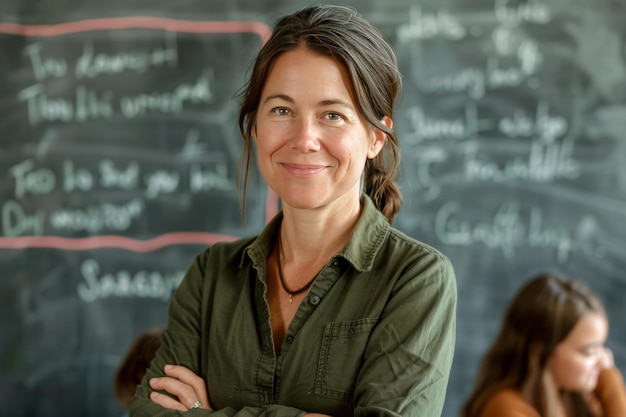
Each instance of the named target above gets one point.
<point>341,33</point>
<point>538,318</point>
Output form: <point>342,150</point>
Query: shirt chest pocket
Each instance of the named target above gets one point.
<point>341,357</point>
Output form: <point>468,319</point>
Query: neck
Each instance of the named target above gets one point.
<point>311,236</point>
<point>295,291</point>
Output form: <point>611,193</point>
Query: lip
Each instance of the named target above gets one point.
<point>303,169</point>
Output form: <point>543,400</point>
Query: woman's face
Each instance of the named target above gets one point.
<point>312,143</point>
<point>576,361</point>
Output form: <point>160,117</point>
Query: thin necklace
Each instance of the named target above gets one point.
<point>282,280</point>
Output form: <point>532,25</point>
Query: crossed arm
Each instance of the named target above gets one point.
<point>186,389</point>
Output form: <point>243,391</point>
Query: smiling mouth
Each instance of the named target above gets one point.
<point>304,170</point>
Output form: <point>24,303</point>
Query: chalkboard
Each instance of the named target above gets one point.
<point>118,153</point>
<point>119,161</point>
<point>513,123</point>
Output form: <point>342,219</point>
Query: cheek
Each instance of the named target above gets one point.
<point>574,373</point>
<point>268,138</point>
<point>354,148</point>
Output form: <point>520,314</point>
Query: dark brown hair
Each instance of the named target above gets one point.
<point>539,317</point>
<point>133,367</point>
<point>341,33</point>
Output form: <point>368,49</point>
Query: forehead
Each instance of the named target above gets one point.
<point>592,328</point>
<point>305,72</point>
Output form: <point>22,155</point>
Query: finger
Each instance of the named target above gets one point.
<point>185,393</point>
<point>167,402</point>
<point>183,374</point>
<point>609,360</point>
<point>188,377</point>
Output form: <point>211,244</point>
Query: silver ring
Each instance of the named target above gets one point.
<point>197,404</point>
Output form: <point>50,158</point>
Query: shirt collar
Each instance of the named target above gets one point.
<point>366,239</point>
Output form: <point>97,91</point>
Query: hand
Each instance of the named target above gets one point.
<point>184,385</point>
<point>606,358</point>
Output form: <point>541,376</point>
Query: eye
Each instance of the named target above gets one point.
<point>334,116</point>
<point>589,351</point>
<point>281,111</point>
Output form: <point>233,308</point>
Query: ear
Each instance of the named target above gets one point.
<point>379,138</point>
<point>253,131</point>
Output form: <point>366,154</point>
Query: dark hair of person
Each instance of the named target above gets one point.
<point>341,33</point>
<point>539,317</point>
<point>133,367</point>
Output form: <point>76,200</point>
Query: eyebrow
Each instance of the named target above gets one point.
<point>336,102</point>
<point>323,103</point>
<point>280,97</point>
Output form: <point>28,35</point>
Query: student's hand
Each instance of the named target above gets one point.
<point>187,388</point>
<point>606,358</point>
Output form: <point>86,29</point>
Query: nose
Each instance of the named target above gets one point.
<point>306,135</point>
<point>598,362</point>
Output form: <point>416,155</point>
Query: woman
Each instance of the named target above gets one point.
<point>329,311</point>
<point>549,358</point>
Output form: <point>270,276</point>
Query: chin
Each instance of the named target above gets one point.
<point>589,386</point>
<point>303,200</point>
<point>304,205</point>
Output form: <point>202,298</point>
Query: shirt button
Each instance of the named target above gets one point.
<point>289,339</point>
<point>314,299</point>
<point>335,263</point>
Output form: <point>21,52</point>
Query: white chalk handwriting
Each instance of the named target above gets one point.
<point>138,284</point>
<point>91,64</point>
<point>542,125</point>
<point>22,215</point>
<point>87,104</point>
<point>98,218</point>
<point>17,222</point>
<point>423,127</point>
<point>510,228</point>
<point>544,163</point>
<point>512,12</point>
<point>425,25</point>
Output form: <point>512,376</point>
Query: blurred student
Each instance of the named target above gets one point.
<point>549,359</point>
<point>133,367</point>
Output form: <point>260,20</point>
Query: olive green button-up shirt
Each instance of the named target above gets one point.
<point>374,336</point>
